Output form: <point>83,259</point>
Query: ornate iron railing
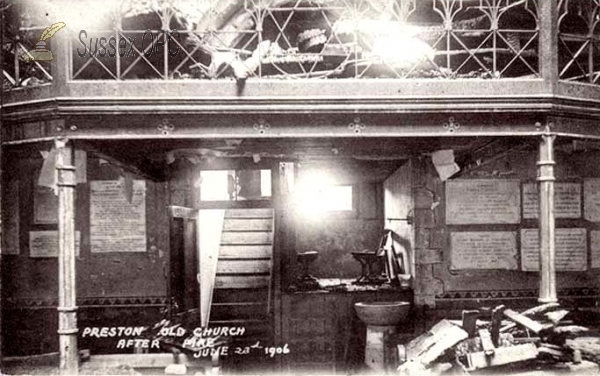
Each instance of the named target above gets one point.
<point>319,38</point>
<point>209,39</point>
<point>579,40</point>
<point>16,72</point>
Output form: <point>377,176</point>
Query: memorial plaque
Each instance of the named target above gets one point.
<point>595,248</point>
<point>591,199</point>
<point>483,250</point>
<point>482,201</point>
<point>567,200</point>
<point>10,219</point>
<point>117,225</point>
<point>571,249</point>
<point>45,205</point>
<point>45,243</point>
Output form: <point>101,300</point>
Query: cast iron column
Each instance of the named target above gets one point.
<point>67,297</point>
<point>548,42</point>
<point>546,219</point>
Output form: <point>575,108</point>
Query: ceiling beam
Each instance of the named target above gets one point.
<point>128,164</point>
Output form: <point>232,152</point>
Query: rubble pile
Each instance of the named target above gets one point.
<point>546,335</point>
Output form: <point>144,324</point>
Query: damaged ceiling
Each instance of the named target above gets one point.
<point>372,158</point>
<point>328,39</point>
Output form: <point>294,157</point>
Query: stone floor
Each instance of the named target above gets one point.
<point>584,368</point>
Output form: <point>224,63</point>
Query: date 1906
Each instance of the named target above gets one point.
<point>271,351</point>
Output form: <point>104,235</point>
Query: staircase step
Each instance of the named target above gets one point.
<point>247,238</point>
<point>248,224</point>
<point>243,266</point>
<point>249,213</point>
<point>241,282</point>
<point>245,251</point>
<point>240,295</point>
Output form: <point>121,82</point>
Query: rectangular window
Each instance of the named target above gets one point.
<point>336,198</point>
<point>235,185</point>
<point>314,200</point>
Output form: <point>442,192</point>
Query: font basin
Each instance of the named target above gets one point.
<point>382,313</point>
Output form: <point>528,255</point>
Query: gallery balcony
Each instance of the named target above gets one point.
<point>385,56</point>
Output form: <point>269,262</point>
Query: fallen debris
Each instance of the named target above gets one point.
<point>545,334</point>
<point>532,312</point>
<point>501,356</point>
<point>425,349</point>
<point>524,320</point>
<point>486,341</point>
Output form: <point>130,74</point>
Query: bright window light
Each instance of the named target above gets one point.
<point>213,185</point>
<point>317,194</point>
<point>265,183</point>
<point>337,198</point>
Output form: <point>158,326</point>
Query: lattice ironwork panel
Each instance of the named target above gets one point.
<point>21,32</point>
<point>579,40</point>
<point>208,39</point>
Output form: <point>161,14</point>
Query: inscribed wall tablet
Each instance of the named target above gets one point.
<point>116,224</point>
<point>45,205</point>
<point>595,248</point>
<point>571,249</point>
<point>45,243</point>
<point>483,250</point>
<point>567,200</point>
<point>591,199</point>
<point>482,201</point>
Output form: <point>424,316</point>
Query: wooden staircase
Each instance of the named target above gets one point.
<point>242,292</point>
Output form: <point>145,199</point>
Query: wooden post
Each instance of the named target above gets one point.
<point>60,66</point>
<point>67,297</point>
<point>546,219</point>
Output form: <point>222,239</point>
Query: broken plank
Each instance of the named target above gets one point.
<point>540,309</point>
<point>469,345</point>
<point>486,341</point>
<point>570,329</point>
<point>553,351</point>
<point>523,320</point>
<point>521,340</point>
<point>472,345</point>
<point>496,323</point>
<point>531,312</point>
<point>469,321</point>
<point>589,346</point>
<point>502,355</point>
<point>426,348</point>
<point>556,316</point>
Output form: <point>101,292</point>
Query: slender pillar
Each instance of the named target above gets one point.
<point>548,42</point>
<point>67,297</point>
<point>546,219</point>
